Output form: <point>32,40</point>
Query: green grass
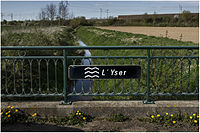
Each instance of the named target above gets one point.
<point>163,78</point>
<point>49,36</point>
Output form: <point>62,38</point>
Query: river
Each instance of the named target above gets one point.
<point>86,85</point>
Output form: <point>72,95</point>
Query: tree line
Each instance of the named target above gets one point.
<point>52,12</point>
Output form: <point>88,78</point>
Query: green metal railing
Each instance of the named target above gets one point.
<point>36,71</point>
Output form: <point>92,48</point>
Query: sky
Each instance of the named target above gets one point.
<point>29,10</point>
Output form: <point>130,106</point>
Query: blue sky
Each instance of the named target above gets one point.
<point>30,9</point>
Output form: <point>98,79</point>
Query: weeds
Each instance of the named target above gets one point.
<point>168,119</point>
<point>13,115</point>
<point>79,118</point>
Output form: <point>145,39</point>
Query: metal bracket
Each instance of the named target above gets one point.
<point>65,103</point>
<point>148,102</point>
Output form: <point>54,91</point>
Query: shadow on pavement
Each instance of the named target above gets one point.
<point>33,127</point>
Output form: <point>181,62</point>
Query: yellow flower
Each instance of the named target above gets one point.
<point>166,113</point>
<point>190,117</point>
<point>152,116</point>
<point>76,113</point>
<point>172,115</point>
<point>174,122</point>
<point>79,113</point>
<point>16,110</point>
<point>8,111</point>
<point>8,115</point>
<point>194,114</point>
<point>83,118</point>
<point>12,107</point>
<point>197,116</point>
<point>8,106</point>
<point>195,121</point>
<point>158,115</point>
<point>34,114</point>
<point>1,113</point>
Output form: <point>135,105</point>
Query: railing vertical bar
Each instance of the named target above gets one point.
<point>22,63</point>
<point>181,82</point>
<point>122,79</point>
<point>148,101</point>
<point>130,83</point>
<point>165,78</point>
<point>157,71</point>
<point>106,91</point>
<point>138,88</point>
<point>188,87</point>
<point>197,76</point>
<point>114,90</point>
<point>90,89</point>
<point>56,79</point>
<point>30,64</point>
<point>15,91</point>
<point>39,75</point>
<point>173,77</point>
<point>82,88</point>
<point>47,64</point>
<point>65,78</point>
<point>74,82</point>
<point>6,79</point>
<point>98,89</point>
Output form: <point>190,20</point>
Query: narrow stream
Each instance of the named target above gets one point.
<point>86,85</point>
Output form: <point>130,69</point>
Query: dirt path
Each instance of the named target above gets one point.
<point>188,33</point>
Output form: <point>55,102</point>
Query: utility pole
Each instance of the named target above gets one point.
<point>107,11</point>
<point>180,8</point>
<point>11,16</point>
<point>2,15</point>
<point>101,13</point>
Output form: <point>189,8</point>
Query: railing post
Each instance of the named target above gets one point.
<point>66,100</point>
<point>148,101</point>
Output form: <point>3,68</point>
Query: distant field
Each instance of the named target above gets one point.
<point>188,33</point>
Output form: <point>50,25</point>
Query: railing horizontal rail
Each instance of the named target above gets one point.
<point>174,94</point>
<point>101,57</point>
<point>174,57</point>
<point>32,57</point>
<point>133,57</point>
<point>32,95</point>
<point>94,47</point>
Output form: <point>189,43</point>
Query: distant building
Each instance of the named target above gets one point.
<point>152,15</point>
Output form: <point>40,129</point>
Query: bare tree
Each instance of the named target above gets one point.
<point>63,10</point>
<point>43,14</point>
<point>51,11</point>
<point>71,15</point>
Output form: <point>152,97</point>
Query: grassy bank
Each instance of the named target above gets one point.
<point>165,74</point>
<point>33,36</point>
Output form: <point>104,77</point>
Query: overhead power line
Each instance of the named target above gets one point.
<point>107,12</point>
<point>101,13</point>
